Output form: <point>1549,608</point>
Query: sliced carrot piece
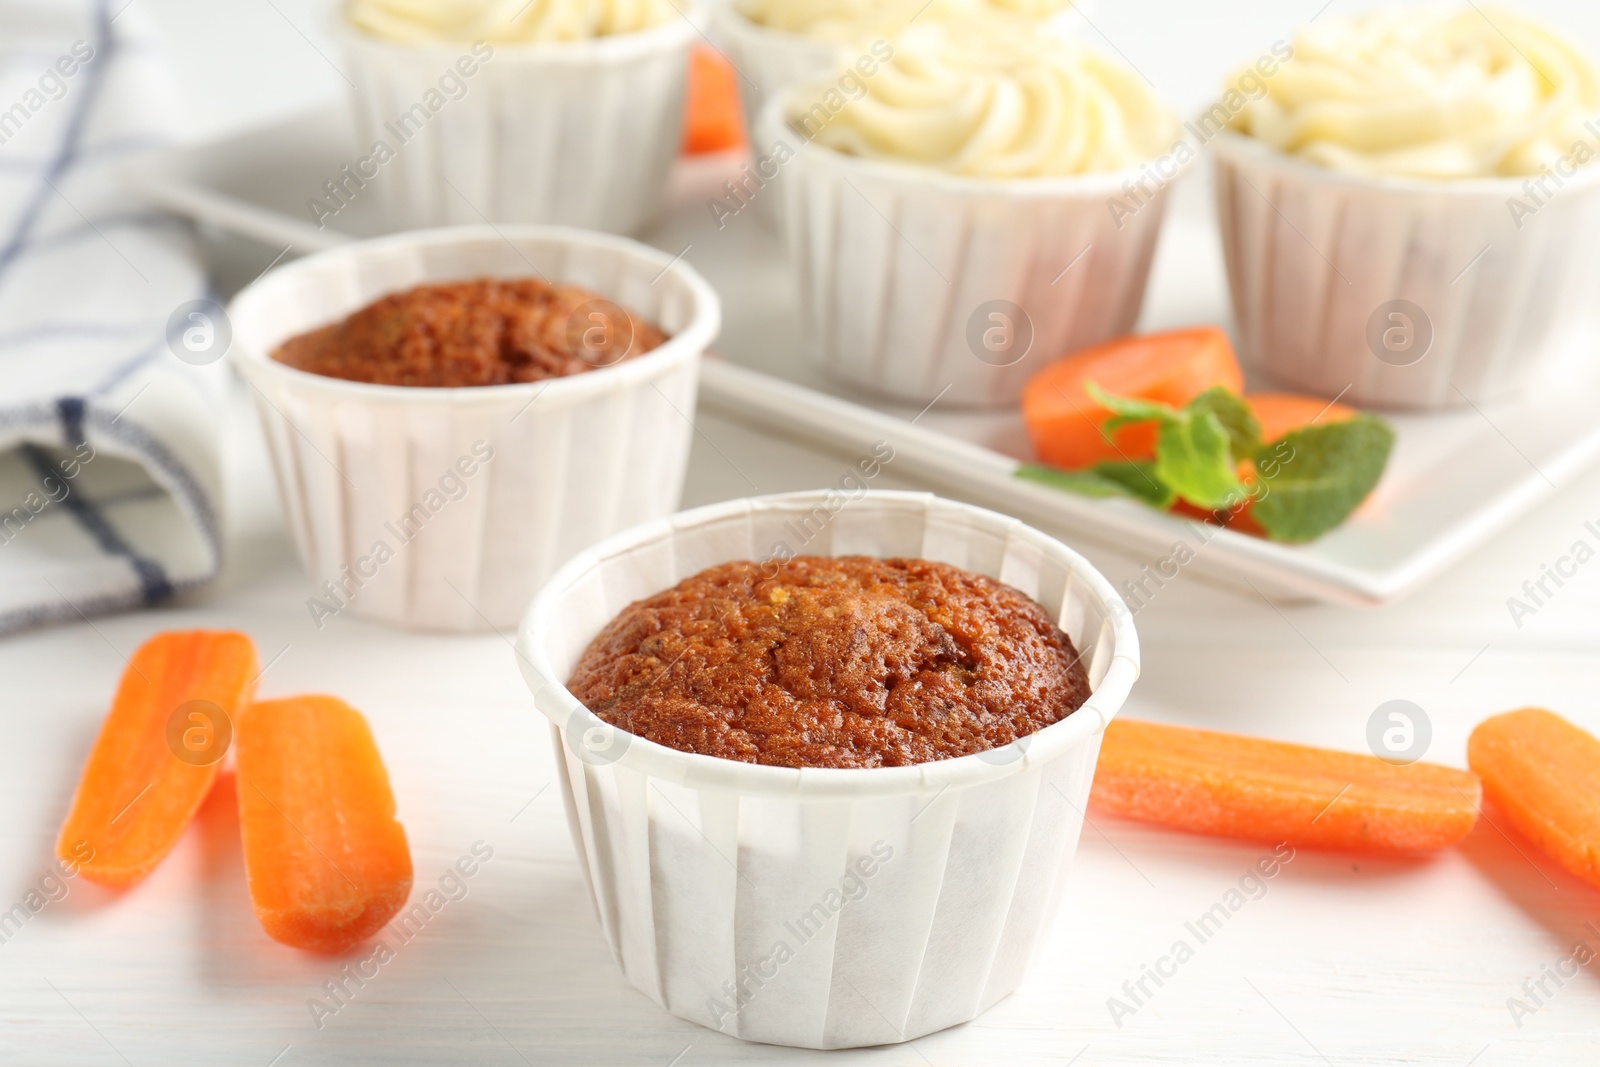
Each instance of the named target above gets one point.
<point>157,752</point>
<point>1278,413</point>
<point>1235,786</point>
<point>1544,773</point>
<point>326,861</point>
<point>1239,520</point>
<point>711,121</point>
<point>1173,368</point>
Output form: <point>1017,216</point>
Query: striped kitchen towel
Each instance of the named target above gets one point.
<point>109,467</point>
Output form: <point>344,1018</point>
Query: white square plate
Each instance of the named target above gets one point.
<point>1453,481</point>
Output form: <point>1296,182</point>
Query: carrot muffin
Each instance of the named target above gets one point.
<point>832,662</point>
<point>491,331</point>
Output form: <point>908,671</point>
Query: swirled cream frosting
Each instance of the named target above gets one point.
<point>1429,93</point>
<point>986,98</point>
<point>844,21</point>
<point>503,21</point>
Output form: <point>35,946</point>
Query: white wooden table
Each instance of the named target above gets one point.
<point>1342,959</point>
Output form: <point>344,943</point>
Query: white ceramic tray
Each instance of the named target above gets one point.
<point>1455,479</point>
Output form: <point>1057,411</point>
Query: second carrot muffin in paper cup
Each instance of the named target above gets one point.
<point>1408,208</point>
<point>555,111</point>
<point>444,506</point>
<point>825,906</point>
<point>967,202</point>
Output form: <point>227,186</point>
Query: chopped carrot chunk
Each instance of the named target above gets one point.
<point>1544,773</point>
<point>711,121</point>
<point>1279,413</point>
<point>327,863</point>
<point>1064,421</point>
<point>156,756</point>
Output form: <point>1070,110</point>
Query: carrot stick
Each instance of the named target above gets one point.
<point>1544,773</point>
<point>1064,422</point>
<point>326,861</point>
<point>157,752</point>
<point>1234,786</point>
<point>711,121</point>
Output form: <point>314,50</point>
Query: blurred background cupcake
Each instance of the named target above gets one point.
<point>565,111</point>
<point>967,201</point>
<point>1406,209</point>
<point>776,43</point>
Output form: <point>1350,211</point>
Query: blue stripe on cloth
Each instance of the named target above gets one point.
<point>143,220</point>
<point>70,410</point>
<point>83,104</point>
<point>56,331</point>
<point>167,468</point>
<point>120,146</point>
<point>119,374</point>
<point>153,582</point>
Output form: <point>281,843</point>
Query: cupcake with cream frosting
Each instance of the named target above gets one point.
<point>1435,95</point>
<point>504,22</point>
<point>948,206</point>
<point>1434,162</point>
<point>847,21</point>
<point>988,100</point>
<point>564,111</point>
<point>776,43</point>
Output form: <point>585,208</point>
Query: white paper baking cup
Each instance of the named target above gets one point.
<point>575,459</point>
<point>916,285</point>
<point>1405,293</point>
<point>581,133</point>
<point>700,867</point>
<point>766,60</point>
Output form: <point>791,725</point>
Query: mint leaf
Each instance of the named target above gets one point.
<point>1084,482</point>
<point>1127,408</point>
<point>1244,431</point>
<point>1314,477</point>
<point>1194,446</point>
<point>1136,480</point>
<point>1308,481</point>
<point>1194,459</point>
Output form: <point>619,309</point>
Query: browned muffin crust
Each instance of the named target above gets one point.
<point>491,331</point>
<point>832,662</point>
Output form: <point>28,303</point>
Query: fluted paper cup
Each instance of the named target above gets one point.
<point>916,284</point>
<point>581,133</point>
<point>446,508</point>
<point>766,60</point>
<point>1406,293</point>
<point>825,908</point>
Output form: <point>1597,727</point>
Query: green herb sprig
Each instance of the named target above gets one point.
<point>1306,482</point>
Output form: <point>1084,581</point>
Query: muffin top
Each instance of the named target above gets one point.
<point>988,98</point>
<point>849,21</point>
<point>503,21</point>
<point>1434,93</point>
<point>832,662</point>
<point>491,331</point>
